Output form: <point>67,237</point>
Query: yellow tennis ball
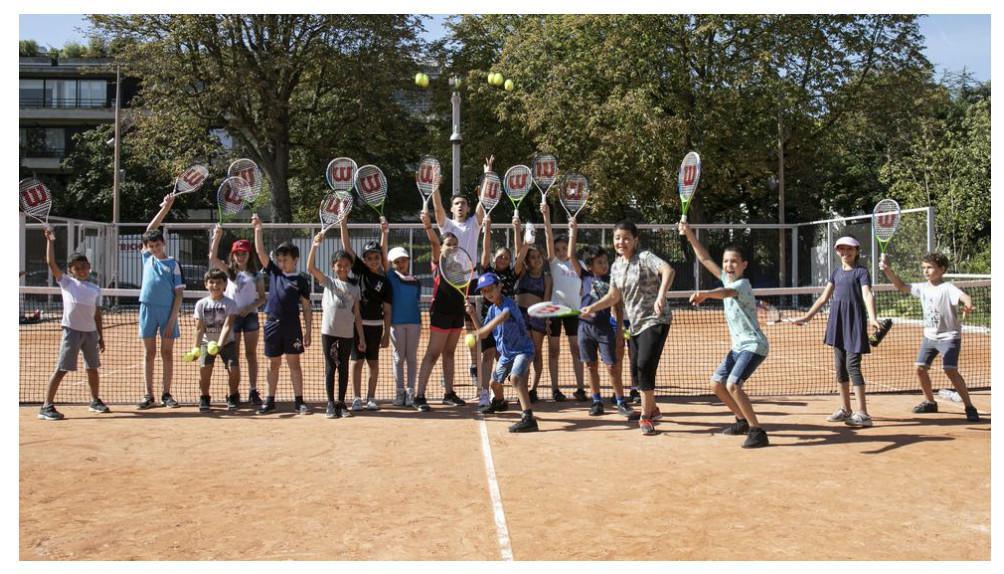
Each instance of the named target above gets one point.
<point>213,348</point>
<point>509,85</point>
<point>470,339</point>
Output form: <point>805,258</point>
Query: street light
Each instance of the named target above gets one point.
<point>455,138</point>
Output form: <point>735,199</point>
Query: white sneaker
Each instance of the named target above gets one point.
<point>357,404</point>
<point>483,399</point>
<point>399,399</point>
<point>839,415</point>
<point>409,398</point>
<point>371,405</point>
<point>858,420</point>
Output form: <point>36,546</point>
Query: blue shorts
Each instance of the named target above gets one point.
<point>283,337</point>
<point>153,321</point>
<point>736,368</point>
<point>246,324</point>
<point>516,365</point>
<point>949,351</point>
<point>593,337</point>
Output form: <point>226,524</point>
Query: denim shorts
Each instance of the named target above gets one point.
<point>516,366</point>
<point>949,351</point>
<point>736,368</point>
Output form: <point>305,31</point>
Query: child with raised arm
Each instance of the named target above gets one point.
<point>565,275</point>
<point>374,307</point>
<point>942,328</point>
<point>247,288</point>
<point>851,312</point>
<point>749,344</point>
<point>214,320</point>
<point>159,304</point>
<point>288,293</point>
<point>81,326</point>
<point>515,349</point>
<point>641,280</point>
<point>533,285</point>
<point>341,324</point>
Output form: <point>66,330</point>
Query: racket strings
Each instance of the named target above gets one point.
<point>491,187</point>
<point>334,208</point>
<point>371,185</point>
<point>191,179</point>
<point>573,193</point>
<point>544,171</point>
<point>518,182</point>
<point>341,174</point>
<point>690,175</point>
<point>886,216</point>
<point>248,171</point>
<point>35,198</point>
<point>427,177</point>
<point>230,196</point>
<point>456,266</point>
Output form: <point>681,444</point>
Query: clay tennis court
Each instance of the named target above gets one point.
<point>177,485</point>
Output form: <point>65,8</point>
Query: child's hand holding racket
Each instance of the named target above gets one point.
<point>801,320</point>
<point>697,297</point>
<point>469,307</point>
<point>217,233</point>
<point>168,200</point>
<point>318,239</point>
<point>255,222</point>
<point>424,216</point>
<point>884,263</point>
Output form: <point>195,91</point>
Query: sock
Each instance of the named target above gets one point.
<point>528,414</point>
<point>597,398</point>
<point>298,399</point>
<point>270,399</point>
<point>620,400</point>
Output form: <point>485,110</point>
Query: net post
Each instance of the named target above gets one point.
<point>411,250</point>
<point>826,249</point>
<point>874,242</point>
<point>21,241</point>
<point>794,258</point>
<point>697,264</point>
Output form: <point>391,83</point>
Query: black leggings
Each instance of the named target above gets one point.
<point>336,355</point>
<point>848,366</point>
<point>647,350</point>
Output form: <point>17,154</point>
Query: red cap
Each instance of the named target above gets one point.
<point>241,245</point>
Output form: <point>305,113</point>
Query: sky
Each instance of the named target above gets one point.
<point>954,41</point>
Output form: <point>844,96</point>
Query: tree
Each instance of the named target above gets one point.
<point>28,48</point>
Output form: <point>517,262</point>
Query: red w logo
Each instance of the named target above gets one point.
<point>544,169</point>
<point>341,173</point>
<point>426,174</point>
<point>370,183</point>
<point>232,196</point>
<point>34,196</point>
<point>572,192</point>
<point>517,181</point>
<point>887,220</point>
<point>689,174</point>
<point>491,189</point>
<point>192,177</point>
<point>248,175</point>
<point>333,206</point>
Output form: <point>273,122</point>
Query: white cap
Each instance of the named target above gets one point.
<point>397,253</point>
<point>848,241</point>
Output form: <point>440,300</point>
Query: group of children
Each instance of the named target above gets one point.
<point>371,301</point>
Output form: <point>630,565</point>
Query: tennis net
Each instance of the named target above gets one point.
<point>798,362</point>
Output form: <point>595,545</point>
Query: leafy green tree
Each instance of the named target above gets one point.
<point>28,48</point>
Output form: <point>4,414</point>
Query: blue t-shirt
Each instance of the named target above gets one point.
<point>284,292</point>
<point>511,338</point>
<point>740,314</point>
<point>405,297</point>
<point>593,289</point>
<point>161,277</point>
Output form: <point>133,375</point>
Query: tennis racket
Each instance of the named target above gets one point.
<point>773,315</point>
<point>190,180</point>
<point>230,197</point>
<point>36,201</point>
<point>690,176</point>
<point>427,179</point>
<point>885,220</point>
<point>544,169</point>
<point>573,191</point>
<point>548,310</point>
<point>341,174</point>
<point>518,182</point>
<point>249,172</point>
<point>457,268</point>
<point>371,184</point>
<point>334,208</point>
<point>491,189</point>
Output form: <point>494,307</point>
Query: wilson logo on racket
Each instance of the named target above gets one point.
<point>518,180</point>
<point>491,188</point>
<point>334,205</point>
<point>427,173</point>
<point>249,175</point>
<point>545,168</point>
<point>689,173</point>
<point>341,173</point>
<point>572,191</point>
<point>232,195</point>
<point>193,177</point>
<point>370,184</point>
<point>34,196</point>
<point>888,220</point>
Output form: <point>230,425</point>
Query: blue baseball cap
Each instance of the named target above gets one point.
<point>487,279</point>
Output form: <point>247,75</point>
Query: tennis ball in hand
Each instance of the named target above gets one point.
<point>191,355</point>
<point>470,340</point>
<point>213,348</point>
<point>509,85</point>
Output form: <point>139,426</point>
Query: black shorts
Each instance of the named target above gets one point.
<point>283,337</point>
<point>571,325</point>
<point>488,343</point>
<point>227,355</point>
<point>373,335</point>
<point>443,322</point>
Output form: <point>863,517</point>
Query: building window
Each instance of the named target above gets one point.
<point>32,93</point>
<point>61,93</point>
<point>43,142</point>
<point>93,93</point>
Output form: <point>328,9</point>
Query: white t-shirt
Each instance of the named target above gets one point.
<point>243,289</point>
<point>467,234</point>
<point>213,313</point>
<point>940,304</point>
<point>567,284</point>
<point>337,317</point>
<point>80,301</point>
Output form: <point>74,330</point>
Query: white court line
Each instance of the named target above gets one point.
<point>493,490</point>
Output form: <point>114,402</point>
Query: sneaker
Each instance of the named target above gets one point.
<point>168,401</point>
<point>626,410</point>
<point>495,406</point>
<point>557,396</point>
<point>357,404</point>
<point>146,403</point>
<point>204,404</point>
<point>451,398</point>
<point>741,426</point>
<point>49,413</point>
<point>97,406</point>
<point>525,424</point>
<point>254,398</point>
<point>596,410</point>
<point>399,398</point>
<point>484,399</point>
<point>330,412</point>
<point>342,411</point>
<point>580,395</point>
<point>533,396</point>
<point>646,426</point>
<point>635,397</point>
<point>972,415</point>
<point>926,407</point>
<point>302,409</point>
<point>371,405</point>
<point>266,407</point>
<point>656,414</point>
<point>409,398</point>
<point>757,438</point>
<point>839,415</point>
<point>858,420</point>
<point>613,400</point>
<point>422,405</point>
<point>233,402</point>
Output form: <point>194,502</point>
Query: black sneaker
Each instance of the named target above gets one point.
<point>926,407</point>
<point>168,401</point>
<point>422,405</point>
<point>557,396</point>
<point>495,406</point>
<point>451,399</point>
<point>254,398</point>
<point>233,401</point>
<point>580,395</point>
<point>97,406</point>
<point>146,403</point>
<point>204,404</point>
<point>473,369</point>
<point>757,438</point>
<point>533,396</point>
<point>741,426</point>
<point>626,410</point>
<point>613,400</point>
<point>634,397</point>
<point>596,410</point>
<point>330,412</point>
<point>525,424</point>
<point>972,415</point>
<point>342,410</point>
<point>266,407</point>
<point>49,413</point>
<point>302,409</point>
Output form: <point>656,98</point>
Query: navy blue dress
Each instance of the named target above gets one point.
<point>847,327</point>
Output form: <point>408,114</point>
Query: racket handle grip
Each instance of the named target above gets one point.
<point>683,218</point>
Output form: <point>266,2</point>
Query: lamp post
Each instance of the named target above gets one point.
<point>455,138</point>
<point>115,180</point>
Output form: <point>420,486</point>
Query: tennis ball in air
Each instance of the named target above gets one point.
<point>470,340</point>
<point>491,78</point>
<point>213,348</point>
<point>509,85</point>
<point>424,83</point>
<point>418,79</point>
